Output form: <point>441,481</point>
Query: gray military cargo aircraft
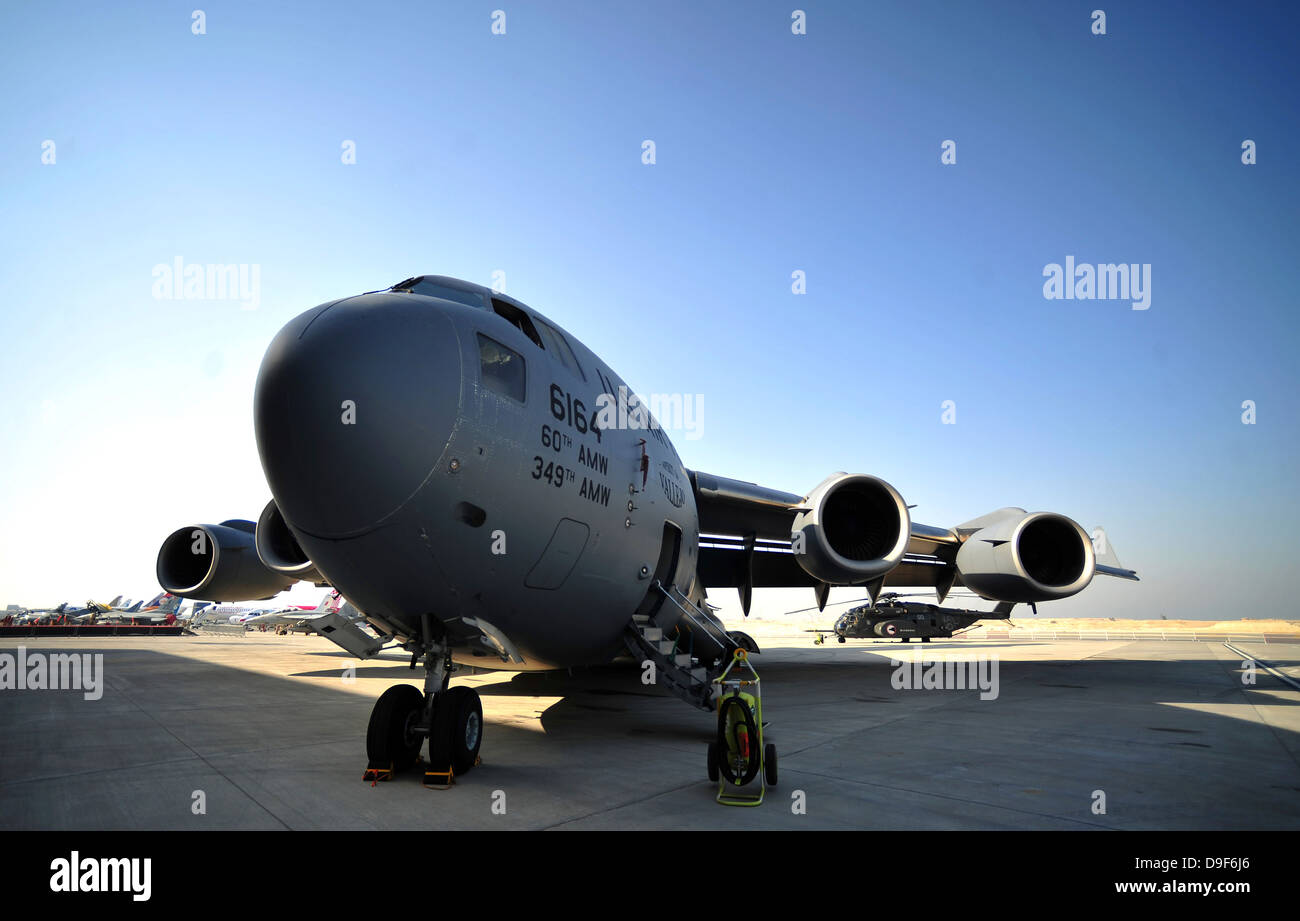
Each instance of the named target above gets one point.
<point>485,489</point>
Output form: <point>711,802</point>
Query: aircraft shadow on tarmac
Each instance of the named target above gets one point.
<point>831,681</point>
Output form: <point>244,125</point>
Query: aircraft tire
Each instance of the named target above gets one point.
<point>440,733</point>
<point>388,740</point>
<point>745,641</point>
<point>466,727</point>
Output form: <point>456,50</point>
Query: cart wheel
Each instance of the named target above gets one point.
<point>741,748</point>
<point>769,765</point>
<point>713,761</point>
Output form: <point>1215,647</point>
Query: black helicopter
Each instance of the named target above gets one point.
<point>890,618</point>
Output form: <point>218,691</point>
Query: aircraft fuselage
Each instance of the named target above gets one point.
<point>444,457</point>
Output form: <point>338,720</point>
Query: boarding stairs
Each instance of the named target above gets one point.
<point>687,644</point>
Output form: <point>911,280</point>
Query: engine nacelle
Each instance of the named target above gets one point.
<point>279,550</point>
<point>1039,556</point>
<point>217,562</point>
<point>853,528</point>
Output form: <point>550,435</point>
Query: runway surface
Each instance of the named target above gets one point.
<point>271,732</point>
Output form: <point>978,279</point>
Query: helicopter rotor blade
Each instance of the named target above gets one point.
<point>927,594</point>
<point>831,605</point>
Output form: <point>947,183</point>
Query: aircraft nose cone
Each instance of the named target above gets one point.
<point>354,407</point>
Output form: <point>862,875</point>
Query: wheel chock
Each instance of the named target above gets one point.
<point>442,780</point>
<point>376,774</point>
<point>445,780</point>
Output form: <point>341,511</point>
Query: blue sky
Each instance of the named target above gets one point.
<point>127,415</point>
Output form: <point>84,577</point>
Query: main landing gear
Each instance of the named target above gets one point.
<point>451,719</point>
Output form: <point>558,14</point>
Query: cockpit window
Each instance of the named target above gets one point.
<point>502,368</point>
<point>430,289</point>
<point>558,346</point>
<point>521,320</point>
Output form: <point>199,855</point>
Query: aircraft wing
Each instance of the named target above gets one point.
<point>746,532</point>
<point>300,617</point>
<point>736,508</point>
<point>1130,574</point>
<point>726,563</point>
<point>745,543</point>
<point>278,617</point>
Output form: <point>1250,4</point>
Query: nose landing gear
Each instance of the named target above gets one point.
<point>450,718</point>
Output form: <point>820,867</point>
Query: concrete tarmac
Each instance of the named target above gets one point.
<point>268,732</point>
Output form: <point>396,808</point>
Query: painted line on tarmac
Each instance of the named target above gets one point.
<point>1269,668</point>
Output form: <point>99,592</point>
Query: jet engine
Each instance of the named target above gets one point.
<point>851,529</point>
<point>1026,558</point>
<point>217,562</point>
<point>279,550</point>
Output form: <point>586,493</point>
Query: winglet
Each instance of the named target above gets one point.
<point>1108,563</point>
